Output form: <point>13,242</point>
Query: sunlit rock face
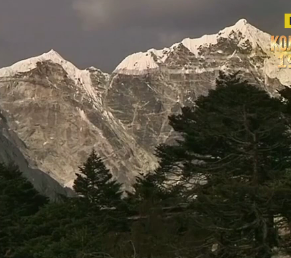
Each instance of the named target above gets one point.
<point>60,119</point>
<point>10,153</point>
<point>59,113</point>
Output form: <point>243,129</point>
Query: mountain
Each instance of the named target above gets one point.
<point>59,112</point>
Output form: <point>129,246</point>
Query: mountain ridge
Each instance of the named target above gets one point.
<point>193,44</point>
<point>61,112</point>
<point>148,61</point>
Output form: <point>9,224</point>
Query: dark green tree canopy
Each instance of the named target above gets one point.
<point>18,199</point>
<point>17,194</point>
<point>223,190</point>
<point>232,163</point>
<point>95,183</point>
<point>237,127</point>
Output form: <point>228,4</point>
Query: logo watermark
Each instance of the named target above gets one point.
<point>287,23</point>
<point>282,45</point>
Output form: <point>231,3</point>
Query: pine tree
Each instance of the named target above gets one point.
<point>56,231</point>
<point>148,186</point>
<point>18,200</point>
<point>232,164</point>
<point>95,184</point>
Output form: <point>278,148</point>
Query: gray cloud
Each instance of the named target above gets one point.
<point>103,32</point>
<point>98,14</point>
<point>175,15</point>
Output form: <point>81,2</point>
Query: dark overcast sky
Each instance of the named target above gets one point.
<point>102,32</point>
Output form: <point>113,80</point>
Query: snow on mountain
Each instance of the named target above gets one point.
<point>30,63</point>
<point>80,77</point>
<point>124,117</point>
<point>67,118</point>
<point>141,62</point>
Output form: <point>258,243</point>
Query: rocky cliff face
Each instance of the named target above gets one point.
<point>147,87</point>
<point>59,113</point>
<point>10,153</point>
<point>59,116</point>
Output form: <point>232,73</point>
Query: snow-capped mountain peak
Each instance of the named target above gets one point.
<point>81,78</point>
<point>141,62</point>
<point>53,55</point>
<point>30,63</point>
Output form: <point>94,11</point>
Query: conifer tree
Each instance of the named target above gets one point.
<point>96,185</point>
<point>147,186</point>
<point>232,164</point>
<point>18,200</point>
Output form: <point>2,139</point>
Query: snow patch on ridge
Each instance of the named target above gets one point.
<point>142,62</point>
<point>137,62</point>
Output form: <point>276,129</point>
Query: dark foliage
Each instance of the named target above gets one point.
<point>222,191</point>
<point>18,200</point>
<point>95,183</point>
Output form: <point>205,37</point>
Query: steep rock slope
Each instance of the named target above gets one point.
<point>60,112</point>
<point>147,87</point>
<point>10,153</point>
<point>56,110</point>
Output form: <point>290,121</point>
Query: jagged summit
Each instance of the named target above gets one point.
<point>81,78</point>
<point>52,55</point>
<point>141,61</point>
<point>241,24</point>
<point>30,63</point>
<point>242,21</point>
